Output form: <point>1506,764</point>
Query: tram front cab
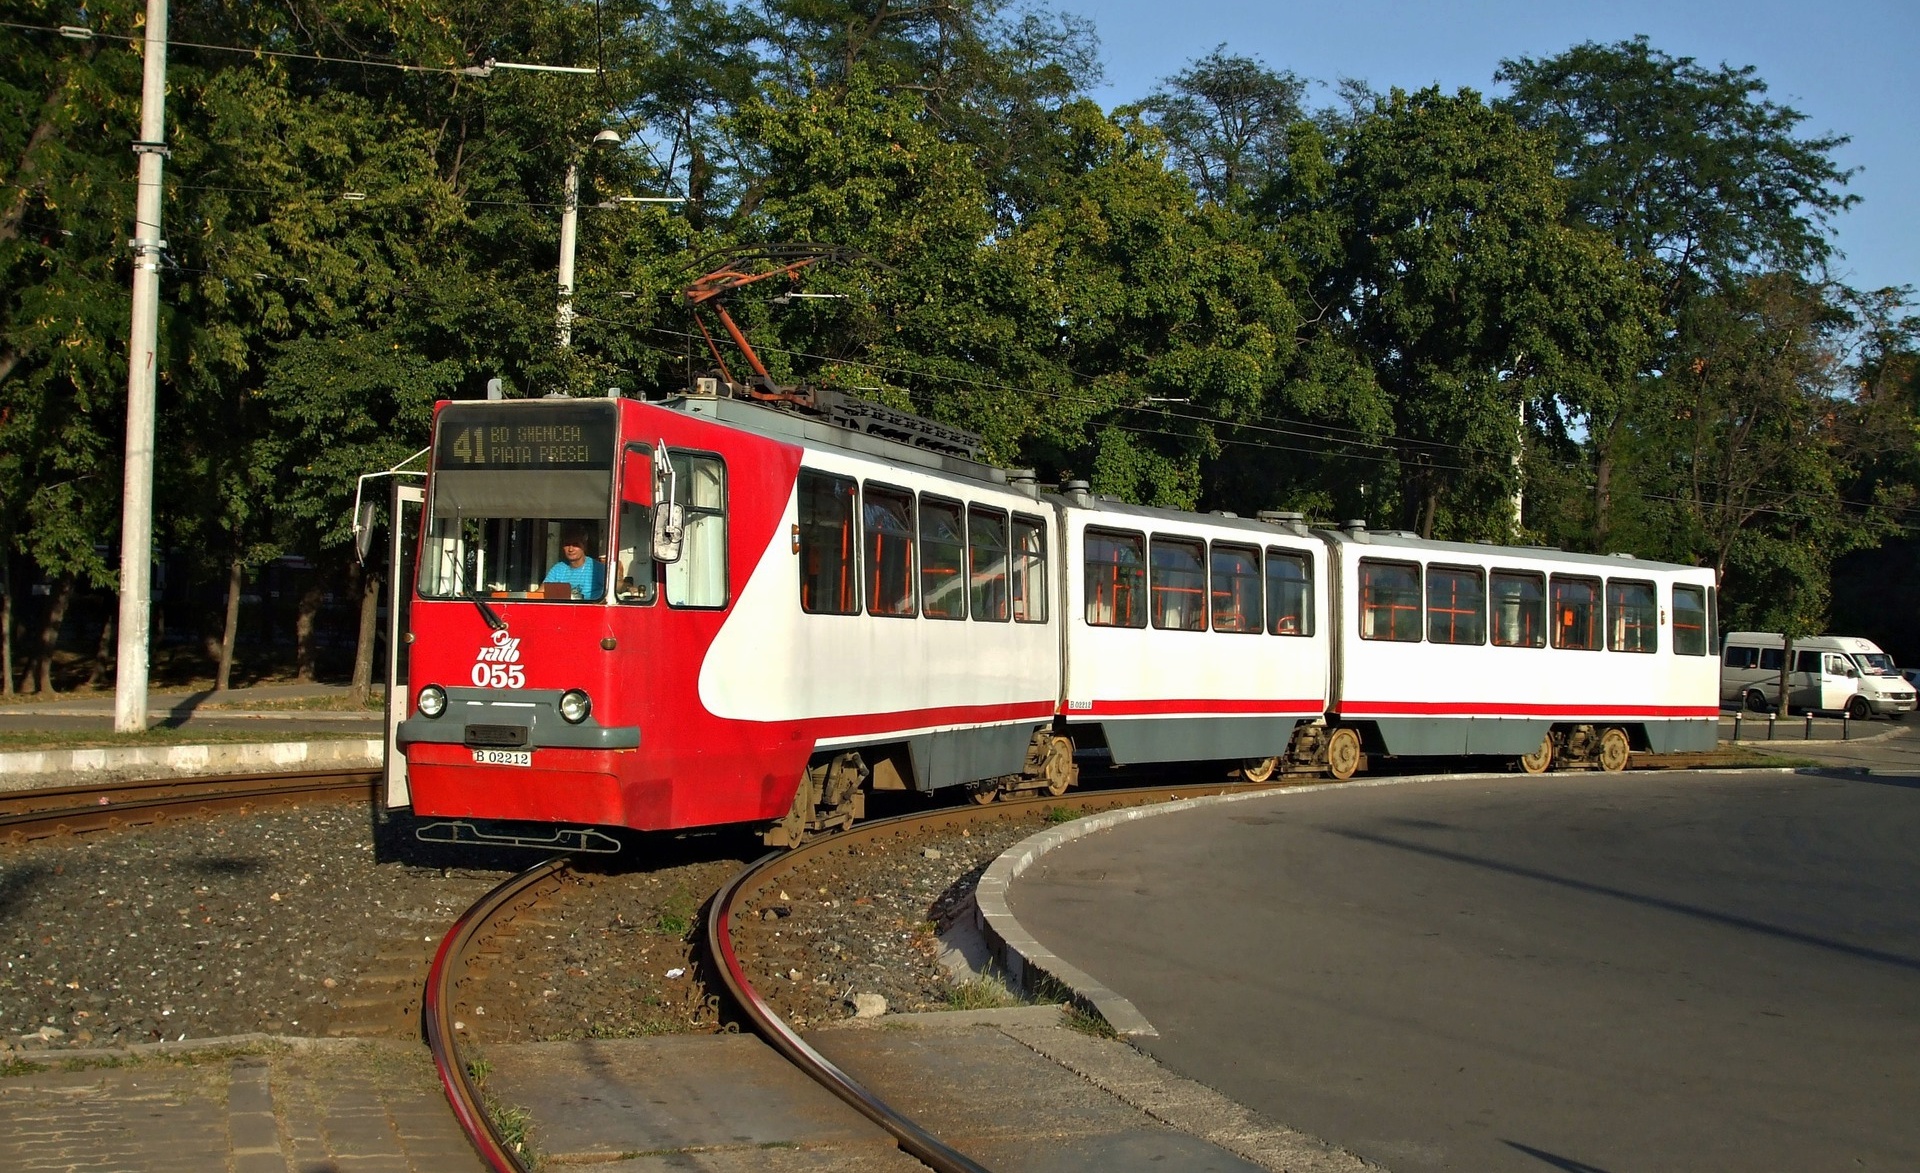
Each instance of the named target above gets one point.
<point>538,655</point>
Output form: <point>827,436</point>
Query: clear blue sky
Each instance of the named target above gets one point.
<point>1848,65</point>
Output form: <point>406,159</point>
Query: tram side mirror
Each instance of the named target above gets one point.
<point>668,517</point>
<point>362,531</point>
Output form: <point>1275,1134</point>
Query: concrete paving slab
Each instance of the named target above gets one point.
<point>290,1105</point>
<point>676,1094</point>
<point>1008,1105</point>
<point>769,1159</point>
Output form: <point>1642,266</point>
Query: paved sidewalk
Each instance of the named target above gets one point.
<point>362,1106</point>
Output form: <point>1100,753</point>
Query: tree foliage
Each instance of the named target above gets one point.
<point>1602,295</point>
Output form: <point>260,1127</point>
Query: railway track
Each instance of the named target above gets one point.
<point>26,815</point>
<point>738,904</point>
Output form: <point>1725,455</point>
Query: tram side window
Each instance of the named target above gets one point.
<point>1029,569</point>
<point>1456,606</point>
<point>887,517</point>
<point>943,559</point>
<point>1519,603</point>
<point>1289,592</point>
<point>1236,588</point>
<point>1116,574</point>
<point>828,583</point>
<point>987,562</point>
<point>1689,621</point>
<point>1633,616</point>
<point>1390,600</point>
<point>1576,613</point>
<point>698,578</point>
<point>1179,584</point>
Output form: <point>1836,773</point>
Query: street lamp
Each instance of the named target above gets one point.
<point>569,232</point>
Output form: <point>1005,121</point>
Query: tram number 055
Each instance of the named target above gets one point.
<point>499,676</point>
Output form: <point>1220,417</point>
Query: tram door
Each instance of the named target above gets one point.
<point>403,538</point>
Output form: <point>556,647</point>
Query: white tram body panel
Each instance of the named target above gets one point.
<point>1175,648</point>
<point>965,692</point>
<point>1462,648</point>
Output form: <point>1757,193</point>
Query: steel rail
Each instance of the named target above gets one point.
<point>34,814</point>
<point>463,1093</point>
<point>761,875</point>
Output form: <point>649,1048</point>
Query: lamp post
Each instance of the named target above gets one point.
<point>569,235</point>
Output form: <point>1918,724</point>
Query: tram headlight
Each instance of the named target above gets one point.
<point>433,701</point>
<point>574,706</point>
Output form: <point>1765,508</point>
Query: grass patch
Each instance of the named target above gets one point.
<point>982,993</point>
<point>1089,1024</point>
<point>677,913</point>
<point>25,740</point>
<point>1061,814</point>
<point>331,703</point>
<point>515,1128</point>
<point>13,1067</point>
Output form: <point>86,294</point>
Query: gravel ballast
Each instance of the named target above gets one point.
<point>282,922</point>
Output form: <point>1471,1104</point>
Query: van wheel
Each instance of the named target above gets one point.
<point>1859,709</point>
<point>1613,750</point>
<point>1757,702</point>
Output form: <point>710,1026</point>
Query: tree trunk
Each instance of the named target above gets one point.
<point>103,651</point>
<point>369,625</point>
<point>1602,488</point>
<point>6,628</point>
<point>223,672</point>
<point>303,624</point>
<point>1786,666</point>
<point>50,634</point>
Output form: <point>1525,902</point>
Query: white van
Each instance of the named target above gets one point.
<point>1830,673</point>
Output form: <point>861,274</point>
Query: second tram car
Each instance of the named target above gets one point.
<point>710,611</point>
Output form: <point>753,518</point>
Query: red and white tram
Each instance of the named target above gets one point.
<point>711,611</point>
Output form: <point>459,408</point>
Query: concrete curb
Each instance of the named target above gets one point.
<point>1031,966</point>
<point>18,770</point>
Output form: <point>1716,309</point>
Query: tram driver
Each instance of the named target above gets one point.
<point>577,568</point>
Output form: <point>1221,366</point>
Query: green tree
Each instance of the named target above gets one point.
<point>1436,241</point>
<point>1226,119</point>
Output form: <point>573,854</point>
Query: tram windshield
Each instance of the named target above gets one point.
<point>555,559</point>
<point>521,492</point>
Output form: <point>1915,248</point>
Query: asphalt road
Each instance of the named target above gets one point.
<point>1588,973</point>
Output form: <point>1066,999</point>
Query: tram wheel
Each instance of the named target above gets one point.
<point>1258,769</point>
<point>984,795</point>
<point>1613,750</point>
<point>1343,753</point>
<point>1538,761</point>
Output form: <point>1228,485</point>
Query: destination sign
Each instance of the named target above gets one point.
<point>525,436</point>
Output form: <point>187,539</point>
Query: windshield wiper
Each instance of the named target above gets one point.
<point>487,613</point>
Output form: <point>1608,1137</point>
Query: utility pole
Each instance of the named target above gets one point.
<point>569,232</point>
<point>136,504</point>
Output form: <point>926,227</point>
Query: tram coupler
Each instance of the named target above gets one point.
<point>578,839</point>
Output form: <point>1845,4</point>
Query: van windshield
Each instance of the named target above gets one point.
<point>1875,663</point>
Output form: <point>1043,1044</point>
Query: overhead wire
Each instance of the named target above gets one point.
<point>87,33</point>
